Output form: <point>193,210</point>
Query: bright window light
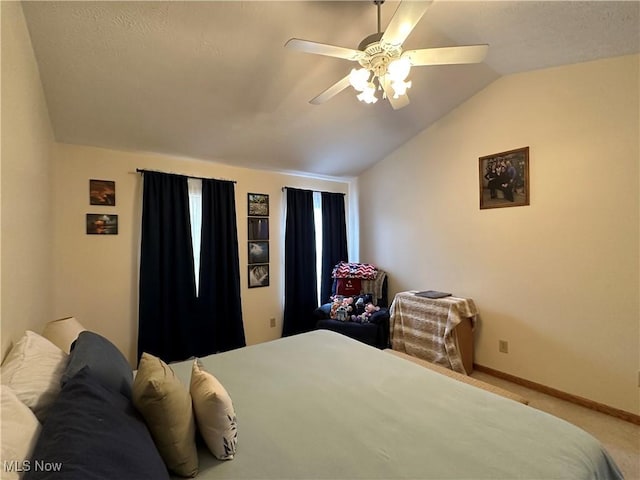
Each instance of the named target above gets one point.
<point>317,220</point>
<point>195,215</point>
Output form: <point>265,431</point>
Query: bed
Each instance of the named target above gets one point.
<point>323,406</point>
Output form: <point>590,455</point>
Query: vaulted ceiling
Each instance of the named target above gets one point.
<point>212,79</point>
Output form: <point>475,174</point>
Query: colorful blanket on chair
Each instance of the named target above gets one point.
<point>364,271</point>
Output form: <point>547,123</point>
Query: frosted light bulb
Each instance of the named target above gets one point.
<point>399,69</point>
<point>359,78</point>
<point>400,88</point>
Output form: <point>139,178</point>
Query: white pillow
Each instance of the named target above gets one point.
<point>215,416</point>
<point>19,432</point>
<point>33,369</point>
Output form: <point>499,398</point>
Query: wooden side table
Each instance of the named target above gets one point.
<point>438,330</point>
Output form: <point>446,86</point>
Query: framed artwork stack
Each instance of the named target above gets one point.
<point>258,239</point>
<point>103,193</point>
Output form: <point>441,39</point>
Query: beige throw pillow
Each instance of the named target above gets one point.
<point>165,404</point>
<point>214,411</point>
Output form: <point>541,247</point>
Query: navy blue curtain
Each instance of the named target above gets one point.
<point>334,239</point>
<point>167,280</point>
<point>220,309</point>
<point>300,284</point>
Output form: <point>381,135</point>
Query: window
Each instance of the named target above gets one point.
<point>317,220</point>
<point>195,216</point>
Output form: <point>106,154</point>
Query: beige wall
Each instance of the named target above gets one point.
<point>26,139</point>
<point>557,279</point>
<point>96,277</point>
<point>50,267</point>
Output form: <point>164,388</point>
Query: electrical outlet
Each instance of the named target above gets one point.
<point>272,322</point>
<point>503,346</point>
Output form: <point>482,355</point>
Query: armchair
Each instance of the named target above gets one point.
<point>375,332</point>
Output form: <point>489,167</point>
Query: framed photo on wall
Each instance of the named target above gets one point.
<point>101,224</point>
<point>258,204</point>
<point>258,228</point>
<point>504,179</point>
<point>258,252</point>
<point>258,239</point>
<point>258,276</point>
<point>102,192</point>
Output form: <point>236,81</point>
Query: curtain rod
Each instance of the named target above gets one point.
<point>142,170</point>
<point>307,190</point>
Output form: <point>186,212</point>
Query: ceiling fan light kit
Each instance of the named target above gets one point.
<point>384,65</point>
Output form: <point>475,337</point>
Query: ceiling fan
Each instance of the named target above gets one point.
<point>384,65</point>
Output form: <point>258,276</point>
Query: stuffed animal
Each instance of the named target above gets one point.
<point>341,308</point>
<point>336,301</point>
<point>369,309</point>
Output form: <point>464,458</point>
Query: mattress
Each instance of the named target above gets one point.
<point>322,406</point>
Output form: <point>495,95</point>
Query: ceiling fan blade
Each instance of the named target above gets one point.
<point>396,103</point>
<point>447,55</point>
<point>403,21</point>
<point>331,92</point>
<point>323,49</point>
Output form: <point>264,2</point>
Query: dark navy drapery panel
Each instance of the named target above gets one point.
<point>219,300</point>
<point>300,283</point>
<point>334,239</point>
<point>167,282</point>
<point>175,324</point>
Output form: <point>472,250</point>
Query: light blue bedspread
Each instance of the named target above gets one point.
<point>322,406</point>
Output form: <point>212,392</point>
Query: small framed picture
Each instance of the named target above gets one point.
<point>101,224</point>
<point>258,204</point>
<point>258,228</point>
<point>258,276</point>
<point>102,192</point>
<point>258,252</point>
<point>504,179</point>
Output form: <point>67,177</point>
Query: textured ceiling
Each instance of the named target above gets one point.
<point>212,80</point>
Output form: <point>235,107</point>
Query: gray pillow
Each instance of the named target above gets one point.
<point>106,362</point>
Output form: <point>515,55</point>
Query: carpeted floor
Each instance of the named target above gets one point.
<point>620,438</point>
